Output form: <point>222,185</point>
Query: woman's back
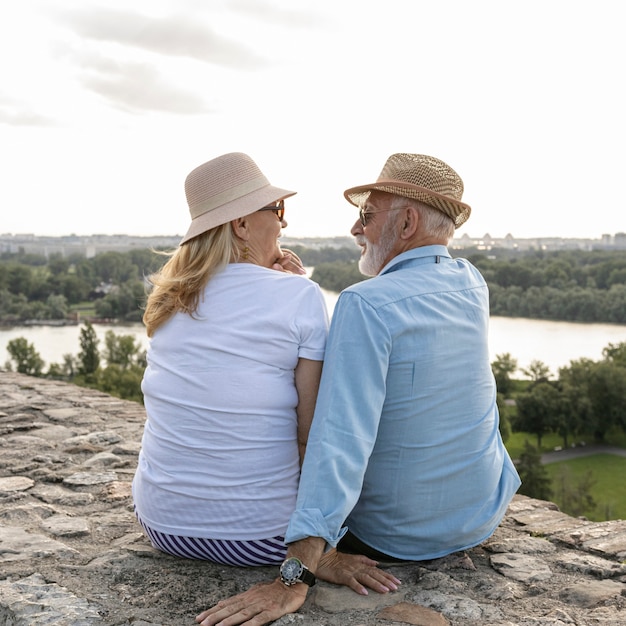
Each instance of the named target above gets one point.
<point>219,454</point>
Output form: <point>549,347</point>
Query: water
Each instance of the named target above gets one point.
<point>553,343</point>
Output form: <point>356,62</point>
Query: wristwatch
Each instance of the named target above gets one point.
<point>292,571</point>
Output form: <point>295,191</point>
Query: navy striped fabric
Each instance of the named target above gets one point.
<point>227,552</point>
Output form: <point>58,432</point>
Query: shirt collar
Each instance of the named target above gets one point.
<point>415,253</point>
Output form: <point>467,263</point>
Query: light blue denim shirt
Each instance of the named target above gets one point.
<point>405,449</point>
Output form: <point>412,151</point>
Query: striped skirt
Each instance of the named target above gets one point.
<point>224,551</point>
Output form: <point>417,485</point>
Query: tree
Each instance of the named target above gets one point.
<point>122,350</point>
<point>574,496</point>
<point>18,278</point>
<point>503,367</point>
<point>537,409</point>
<point>573,412</point>
<point>25,357</point>
<point>114,267</point>
<point>338,275</point>
<point>607,393</point>
<point>534,476</point>
<point>88,357</point>
<point>58,264</point>
<point>505,417</point>
<point>63,371</point>
<point>537,371</point>
<point>616,353</point>
<point>57,307</point>
<point>122,382</point>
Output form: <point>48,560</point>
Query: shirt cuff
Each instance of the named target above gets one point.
<point>311,523</point>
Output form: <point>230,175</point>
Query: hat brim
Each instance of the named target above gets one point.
<point>456,210</point>
<point>235,209</point>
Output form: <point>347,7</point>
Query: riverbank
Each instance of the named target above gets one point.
<point>59,323</point>
<point>554,343</point>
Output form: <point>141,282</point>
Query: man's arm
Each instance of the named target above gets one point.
<point>267,602</point>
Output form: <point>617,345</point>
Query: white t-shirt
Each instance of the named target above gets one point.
<point>219,454</point>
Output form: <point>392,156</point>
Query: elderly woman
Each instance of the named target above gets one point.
<point>234,362</point>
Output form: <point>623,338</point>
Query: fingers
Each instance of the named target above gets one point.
<point>288,264</point>
<point>259,605</point>
<point>379,580</point>
<point>373,578</point>
<point>231,615</point>
<point>357,572</point>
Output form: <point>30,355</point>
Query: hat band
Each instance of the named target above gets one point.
<point>228,196</point>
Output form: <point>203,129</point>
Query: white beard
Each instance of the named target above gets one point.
<point>376,255</point>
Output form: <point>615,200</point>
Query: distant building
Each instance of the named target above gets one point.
<point>87,246</point>
<point>90,246</point>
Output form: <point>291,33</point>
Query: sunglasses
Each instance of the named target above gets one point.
<point>365,215</point>
<point>278,208</point>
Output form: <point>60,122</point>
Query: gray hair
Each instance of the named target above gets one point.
<point>434,222</point>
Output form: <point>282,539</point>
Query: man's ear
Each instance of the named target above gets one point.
<point>409,226</point>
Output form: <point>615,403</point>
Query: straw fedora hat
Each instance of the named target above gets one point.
<point>422,178</point>
<point>226,188</point>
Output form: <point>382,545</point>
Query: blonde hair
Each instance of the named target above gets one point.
<point>179,284</point>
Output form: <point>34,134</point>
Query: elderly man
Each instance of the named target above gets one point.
<point>404,461</point>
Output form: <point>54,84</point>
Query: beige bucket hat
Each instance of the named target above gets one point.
<point>422,178</point>
<point>225,188</point>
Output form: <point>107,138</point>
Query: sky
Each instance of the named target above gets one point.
<point>105,107</point>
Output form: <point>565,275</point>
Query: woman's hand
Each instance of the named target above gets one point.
<point>289,262</point>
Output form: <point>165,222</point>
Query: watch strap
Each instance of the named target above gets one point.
<point>307,577</point>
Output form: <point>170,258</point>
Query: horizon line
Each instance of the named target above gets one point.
<point>289,236</point>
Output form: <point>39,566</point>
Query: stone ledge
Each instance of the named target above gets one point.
<point>71,552</point>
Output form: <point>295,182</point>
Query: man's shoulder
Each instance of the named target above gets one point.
<point>375,291</point>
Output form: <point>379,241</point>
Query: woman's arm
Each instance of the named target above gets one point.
<point>307,378</point>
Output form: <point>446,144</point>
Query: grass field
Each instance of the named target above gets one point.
<point>515,443</point>
<point>609,486</point>
<point>608,473</point>
<point>86,309</point>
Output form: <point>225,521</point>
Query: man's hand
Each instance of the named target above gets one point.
<point>355,571</point>
<point>260,605</point>
<point>290,262</point>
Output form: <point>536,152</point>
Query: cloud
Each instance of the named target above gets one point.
<point>173,36</point>
<point>135,87</point>
<point>294,16</point>
<point>15,113</point>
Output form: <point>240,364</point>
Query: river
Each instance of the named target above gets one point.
<point>553,343</point>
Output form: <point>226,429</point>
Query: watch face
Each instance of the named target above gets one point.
<point>291,569</point>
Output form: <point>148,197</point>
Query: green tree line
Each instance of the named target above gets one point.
<point>570,285</point>
<point>112,283</point>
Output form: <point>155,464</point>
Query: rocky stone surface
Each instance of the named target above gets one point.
<point>71,552</point>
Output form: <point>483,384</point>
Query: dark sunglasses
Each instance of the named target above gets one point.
<point>278,208</point>
<point>365,215</point>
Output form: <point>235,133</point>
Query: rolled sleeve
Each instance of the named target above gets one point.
<point>311,523</point>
